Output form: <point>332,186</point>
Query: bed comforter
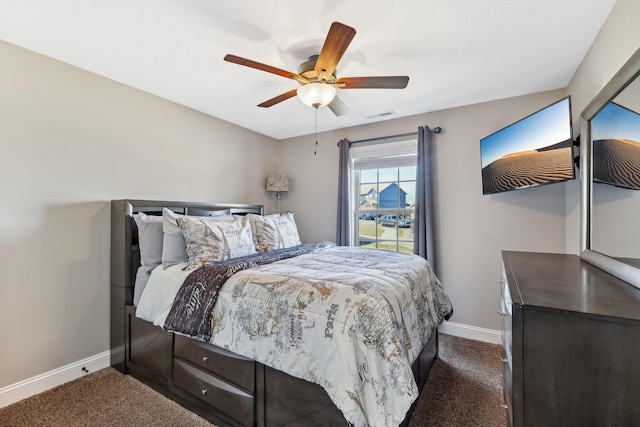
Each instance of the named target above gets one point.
<point>349,319</point>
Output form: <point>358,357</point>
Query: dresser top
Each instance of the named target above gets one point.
<point>564,282</point>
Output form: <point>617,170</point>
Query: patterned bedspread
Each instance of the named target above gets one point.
<point>350,319</point>
<point>192,310</point>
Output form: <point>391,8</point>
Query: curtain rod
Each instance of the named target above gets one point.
<point>400,135</point>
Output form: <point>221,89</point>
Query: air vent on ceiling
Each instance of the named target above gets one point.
<point>383,114</point>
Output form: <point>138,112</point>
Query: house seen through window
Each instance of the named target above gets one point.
<point>384,186</point>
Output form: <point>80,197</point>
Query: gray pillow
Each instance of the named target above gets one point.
<point>150,237</point>
<point>142,277</point>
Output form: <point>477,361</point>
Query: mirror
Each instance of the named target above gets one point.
<point>610,176</point>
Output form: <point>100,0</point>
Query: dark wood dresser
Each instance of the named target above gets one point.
<point>570,343</point>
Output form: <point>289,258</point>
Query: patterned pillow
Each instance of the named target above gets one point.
<point>274,231</point>
<point>173,244</point>
<point>260,227</point>
<point>216,241</point>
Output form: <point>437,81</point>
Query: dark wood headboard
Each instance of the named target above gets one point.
<point>125,255</point>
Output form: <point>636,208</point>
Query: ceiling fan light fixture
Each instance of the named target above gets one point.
<point>316,94</point>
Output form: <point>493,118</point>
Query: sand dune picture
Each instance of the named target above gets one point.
<point>617,161</point>
<point>527,168</point>
<point>532,151</point>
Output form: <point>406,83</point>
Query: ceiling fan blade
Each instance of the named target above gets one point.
<point>279,98</point>
<point>335,45</point>
<point>264,67</point>
<point>338,107</point>
<point>385,82</point>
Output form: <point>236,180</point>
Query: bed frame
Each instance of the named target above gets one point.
<point>222,387</point>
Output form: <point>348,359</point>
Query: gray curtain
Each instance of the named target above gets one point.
<point>424,209</point>
<point>342,225</point>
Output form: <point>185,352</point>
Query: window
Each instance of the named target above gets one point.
<point>384,187</point>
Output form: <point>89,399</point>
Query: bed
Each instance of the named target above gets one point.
<point>235,367</point>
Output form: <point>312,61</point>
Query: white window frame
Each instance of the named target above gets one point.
<point>378,150</point>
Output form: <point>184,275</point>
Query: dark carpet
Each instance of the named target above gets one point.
<point>463,389</point>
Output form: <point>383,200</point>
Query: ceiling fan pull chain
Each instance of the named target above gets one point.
<point>315,151</point>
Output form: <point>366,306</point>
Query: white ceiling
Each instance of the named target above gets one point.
<point>456,52</point>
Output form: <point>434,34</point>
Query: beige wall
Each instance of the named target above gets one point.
<point>70,142</point>
<point>471,228</point>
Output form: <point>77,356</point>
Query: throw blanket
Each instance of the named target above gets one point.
<point>349,319</point>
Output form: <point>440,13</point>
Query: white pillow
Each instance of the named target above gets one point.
<point>274,232</point>
<point>150,236</point>
<point>216,241</point>
<point>288,230</point>
<point>173,246</point>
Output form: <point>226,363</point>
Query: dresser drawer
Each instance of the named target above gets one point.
<point>507,388</point>
<point>221,395</point>
<point>223,363</point>
<point>506,354</point>
<point>506,313</point>
<point>507,338</point>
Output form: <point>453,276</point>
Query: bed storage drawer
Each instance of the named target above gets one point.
<point>223,363</point>
<point>223,396</point>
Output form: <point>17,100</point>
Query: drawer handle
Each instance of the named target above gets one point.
<point>504,406</point>
<point>204,391</point>
<point>205,358</point>
<point>502,359</point>
<point>502,313</point>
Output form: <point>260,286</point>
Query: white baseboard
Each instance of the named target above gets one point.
<point>43,382</point>
<point>470,332</point>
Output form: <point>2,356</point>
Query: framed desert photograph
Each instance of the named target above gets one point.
<point>533,151</point>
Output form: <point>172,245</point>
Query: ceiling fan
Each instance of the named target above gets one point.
<point>317,76</point>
